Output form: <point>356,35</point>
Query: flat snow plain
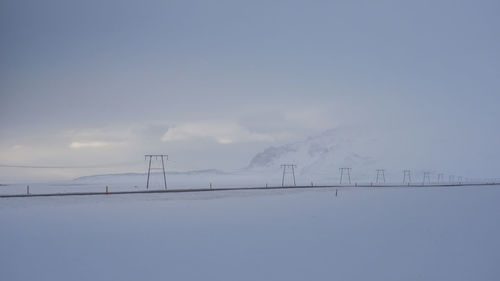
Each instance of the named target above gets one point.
<point>425,233</point>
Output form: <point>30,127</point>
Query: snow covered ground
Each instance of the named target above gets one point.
<point>184,180</point>
<point>362,234</point>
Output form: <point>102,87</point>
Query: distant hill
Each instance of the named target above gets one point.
<point>318,159</point>
<point>318,156</point>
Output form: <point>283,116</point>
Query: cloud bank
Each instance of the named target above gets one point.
<point>220,132</point>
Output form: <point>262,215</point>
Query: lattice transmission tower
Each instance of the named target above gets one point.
<point>380,176</point>
<point>288,169</point>
<point>406,176</point>
<point>440,177</point>
<point>162,157</point>
<point>347,172</point>
<point>426,176</point>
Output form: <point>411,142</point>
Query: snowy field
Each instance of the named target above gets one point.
<point>362,234</point>
<point>136,182</point>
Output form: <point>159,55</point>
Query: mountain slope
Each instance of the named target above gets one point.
<point>319,156</point>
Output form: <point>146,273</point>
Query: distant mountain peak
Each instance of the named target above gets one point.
<point>322,153</point>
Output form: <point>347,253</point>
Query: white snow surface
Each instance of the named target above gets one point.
<point>424,233</point>
<point>318,159</point>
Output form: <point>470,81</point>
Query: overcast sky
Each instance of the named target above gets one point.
<point>211,83</point>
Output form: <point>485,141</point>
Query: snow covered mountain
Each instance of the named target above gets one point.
<point>318,159</point>
<point>320,156</point>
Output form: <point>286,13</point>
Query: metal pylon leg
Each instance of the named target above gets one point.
<point>149,173</point>
<point>164,176</point>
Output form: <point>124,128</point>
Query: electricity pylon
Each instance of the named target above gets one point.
<point>381,175</point>
<point>348,173</point>
<point>440,177</point>
<point>426,176</point>
<point>288,168</point>
<point>406,176</point>
<point>156,157</point>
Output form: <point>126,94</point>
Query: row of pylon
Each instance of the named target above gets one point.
<point>345,176</point>
<point>345,173</point>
